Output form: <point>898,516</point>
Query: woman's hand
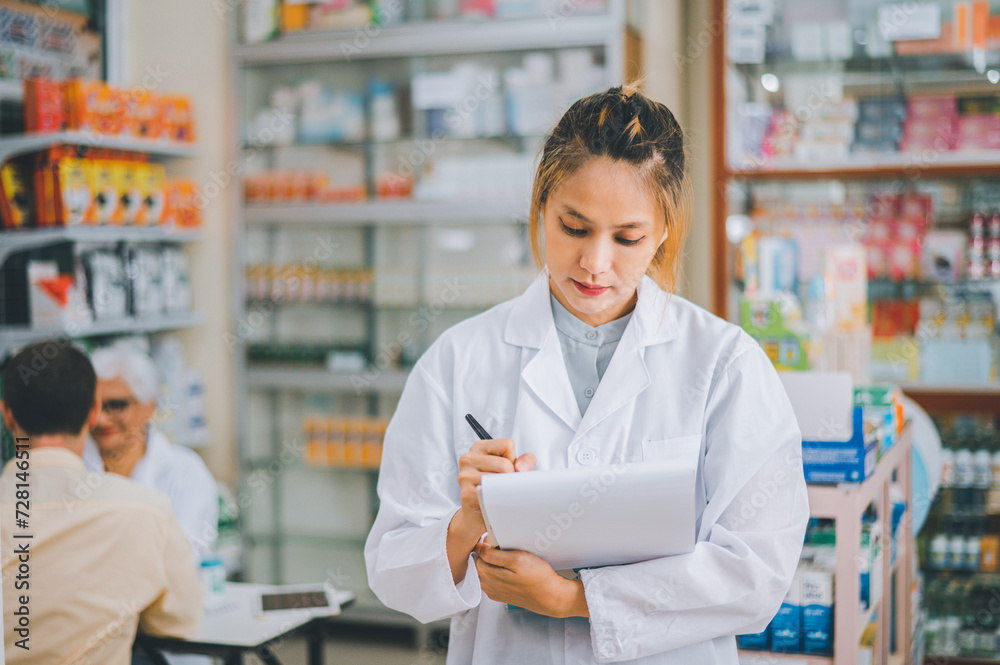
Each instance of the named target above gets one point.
<point>525,580</point>
<point>467,526</point>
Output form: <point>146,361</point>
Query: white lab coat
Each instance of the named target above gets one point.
<point>181,474</point>
<point>678,372</point>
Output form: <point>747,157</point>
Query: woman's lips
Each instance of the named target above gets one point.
<point>588,289</point>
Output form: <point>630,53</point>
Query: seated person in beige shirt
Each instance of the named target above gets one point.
<point>105,555</point>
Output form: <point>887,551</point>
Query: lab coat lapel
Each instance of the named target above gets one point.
<point>624,379</point>
<point>652,322</point>
<point>544,371</point>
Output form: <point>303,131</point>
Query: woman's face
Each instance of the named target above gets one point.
<point>601,231</point>
<point>123,420</point>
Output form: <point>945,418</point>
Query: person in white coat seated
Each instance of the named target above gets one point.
<point>597,363</point>
<point>126,442</point>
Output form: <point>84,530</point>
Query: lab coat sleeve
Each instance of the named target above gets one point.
<point>196,504</point>
<point>749,537</point>
<point>406,552</point>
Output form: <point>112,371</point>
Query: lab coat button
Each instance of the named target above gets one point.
<point>592,334</point>
<point>586,456</point>
<point>589,392</point>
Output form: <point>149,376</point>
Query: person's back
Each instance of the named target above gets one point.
<point>103,554</point>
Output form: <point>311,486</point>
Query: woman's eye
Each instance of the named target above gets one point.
<point>576,233</point>
<point>629,243</point>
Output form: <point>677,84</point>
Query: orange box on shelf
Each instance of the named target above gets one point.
<point>178,118</point>
<point>94,107</point>
<point>144,114</point>
<point>182,209</point>
<point>44,106</point>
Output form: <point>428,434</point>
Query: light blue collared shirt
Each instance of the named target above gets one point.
<point>587,351</point>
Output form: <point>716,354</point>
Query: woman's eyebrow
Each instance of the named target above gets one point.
<point>628,225</point>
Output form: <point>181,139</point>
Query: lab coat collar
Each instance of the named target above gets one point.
<point>531,322</point>
<point>531,325</point>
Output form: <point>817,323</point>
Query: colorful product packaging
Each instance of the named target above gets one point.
<point>144,114</point>
<point>129,192</point>
<point>786,626</point>
<point>70,190</point>
<point>44,106</point>
<point>106,193</point>
<point>849,461</point>
<point>817,611</point>
<point>94,106</point>
<point>154,194</point>
<point>771,322</point>
<point>178,118</point>
<point>15,201</point>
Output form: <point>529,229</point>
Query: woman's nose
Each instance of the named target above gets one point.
<point>596,258</point>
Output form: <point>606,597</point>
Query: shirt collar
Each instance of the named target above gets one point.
<point>49,457</point>
<point>531,319</point>
<point>574,328</point>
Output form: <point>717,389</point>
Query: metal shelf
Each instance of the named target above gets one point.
<point>12,335</point>
<point>435,38</point>
<point>288,378</point>
<point>20,240</point>
<point>13,146</point>
<point>399,213</point>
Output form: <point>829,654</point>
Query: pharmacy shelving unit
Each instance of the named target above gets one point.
<point>20,240</point>
<point>309,549</point>
<point>845,504</point>
<point>13,242</point>
<point>876,76</point>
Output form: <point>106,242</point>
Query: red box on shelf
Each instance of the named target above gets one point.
<point>44,106</point>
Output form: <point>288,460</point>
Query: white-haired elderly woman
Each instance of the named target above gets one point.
<point>125,442</point>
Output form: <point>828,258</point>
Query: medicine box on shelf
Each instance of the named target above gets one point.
<point>850,461</point>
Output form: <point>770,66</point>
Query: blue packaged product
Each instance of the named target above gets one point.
<point>786,627</point>
<point>817,611</point>
<point>758,641</point>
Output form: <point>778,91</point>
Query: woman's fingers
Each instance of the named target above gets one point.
<point>499,447</point>
<point>525,462</point>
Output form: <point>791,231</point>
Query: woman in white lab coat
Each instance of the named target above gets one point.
<point>596,363</point>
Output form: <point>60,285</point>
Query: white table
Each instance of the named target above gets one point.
<point>235,627</point>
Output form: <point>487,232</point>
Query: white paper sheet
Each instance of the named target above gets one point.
<point>581,518</point>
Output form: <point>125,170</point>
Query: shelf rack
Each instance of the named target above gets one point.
<point>386,213</point>
<point>845,503</point>
<point>908,166</point>
<point>919,73</point>
<point>13,335</point>
<point>13,146</point>
<point>437,38</point>
<point>20,240</point>
<point>300,379</point>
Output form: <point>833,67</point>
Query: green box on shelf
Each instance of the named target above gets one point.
<point>764,319</point>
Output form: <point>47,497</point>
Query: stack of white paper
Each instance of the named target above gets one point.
<point>581,518</point>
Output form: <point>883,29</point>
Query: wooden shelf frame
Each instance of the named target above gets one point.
<point>844,504</point>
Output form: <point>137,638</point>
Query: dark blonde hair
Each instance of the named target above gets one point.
<point>625,126</point>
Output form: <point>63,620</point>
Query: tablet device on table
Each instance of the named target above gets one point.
<point>298,597</point>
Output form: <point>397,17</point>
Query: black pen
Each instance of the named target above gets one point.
<point>477,428</point>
